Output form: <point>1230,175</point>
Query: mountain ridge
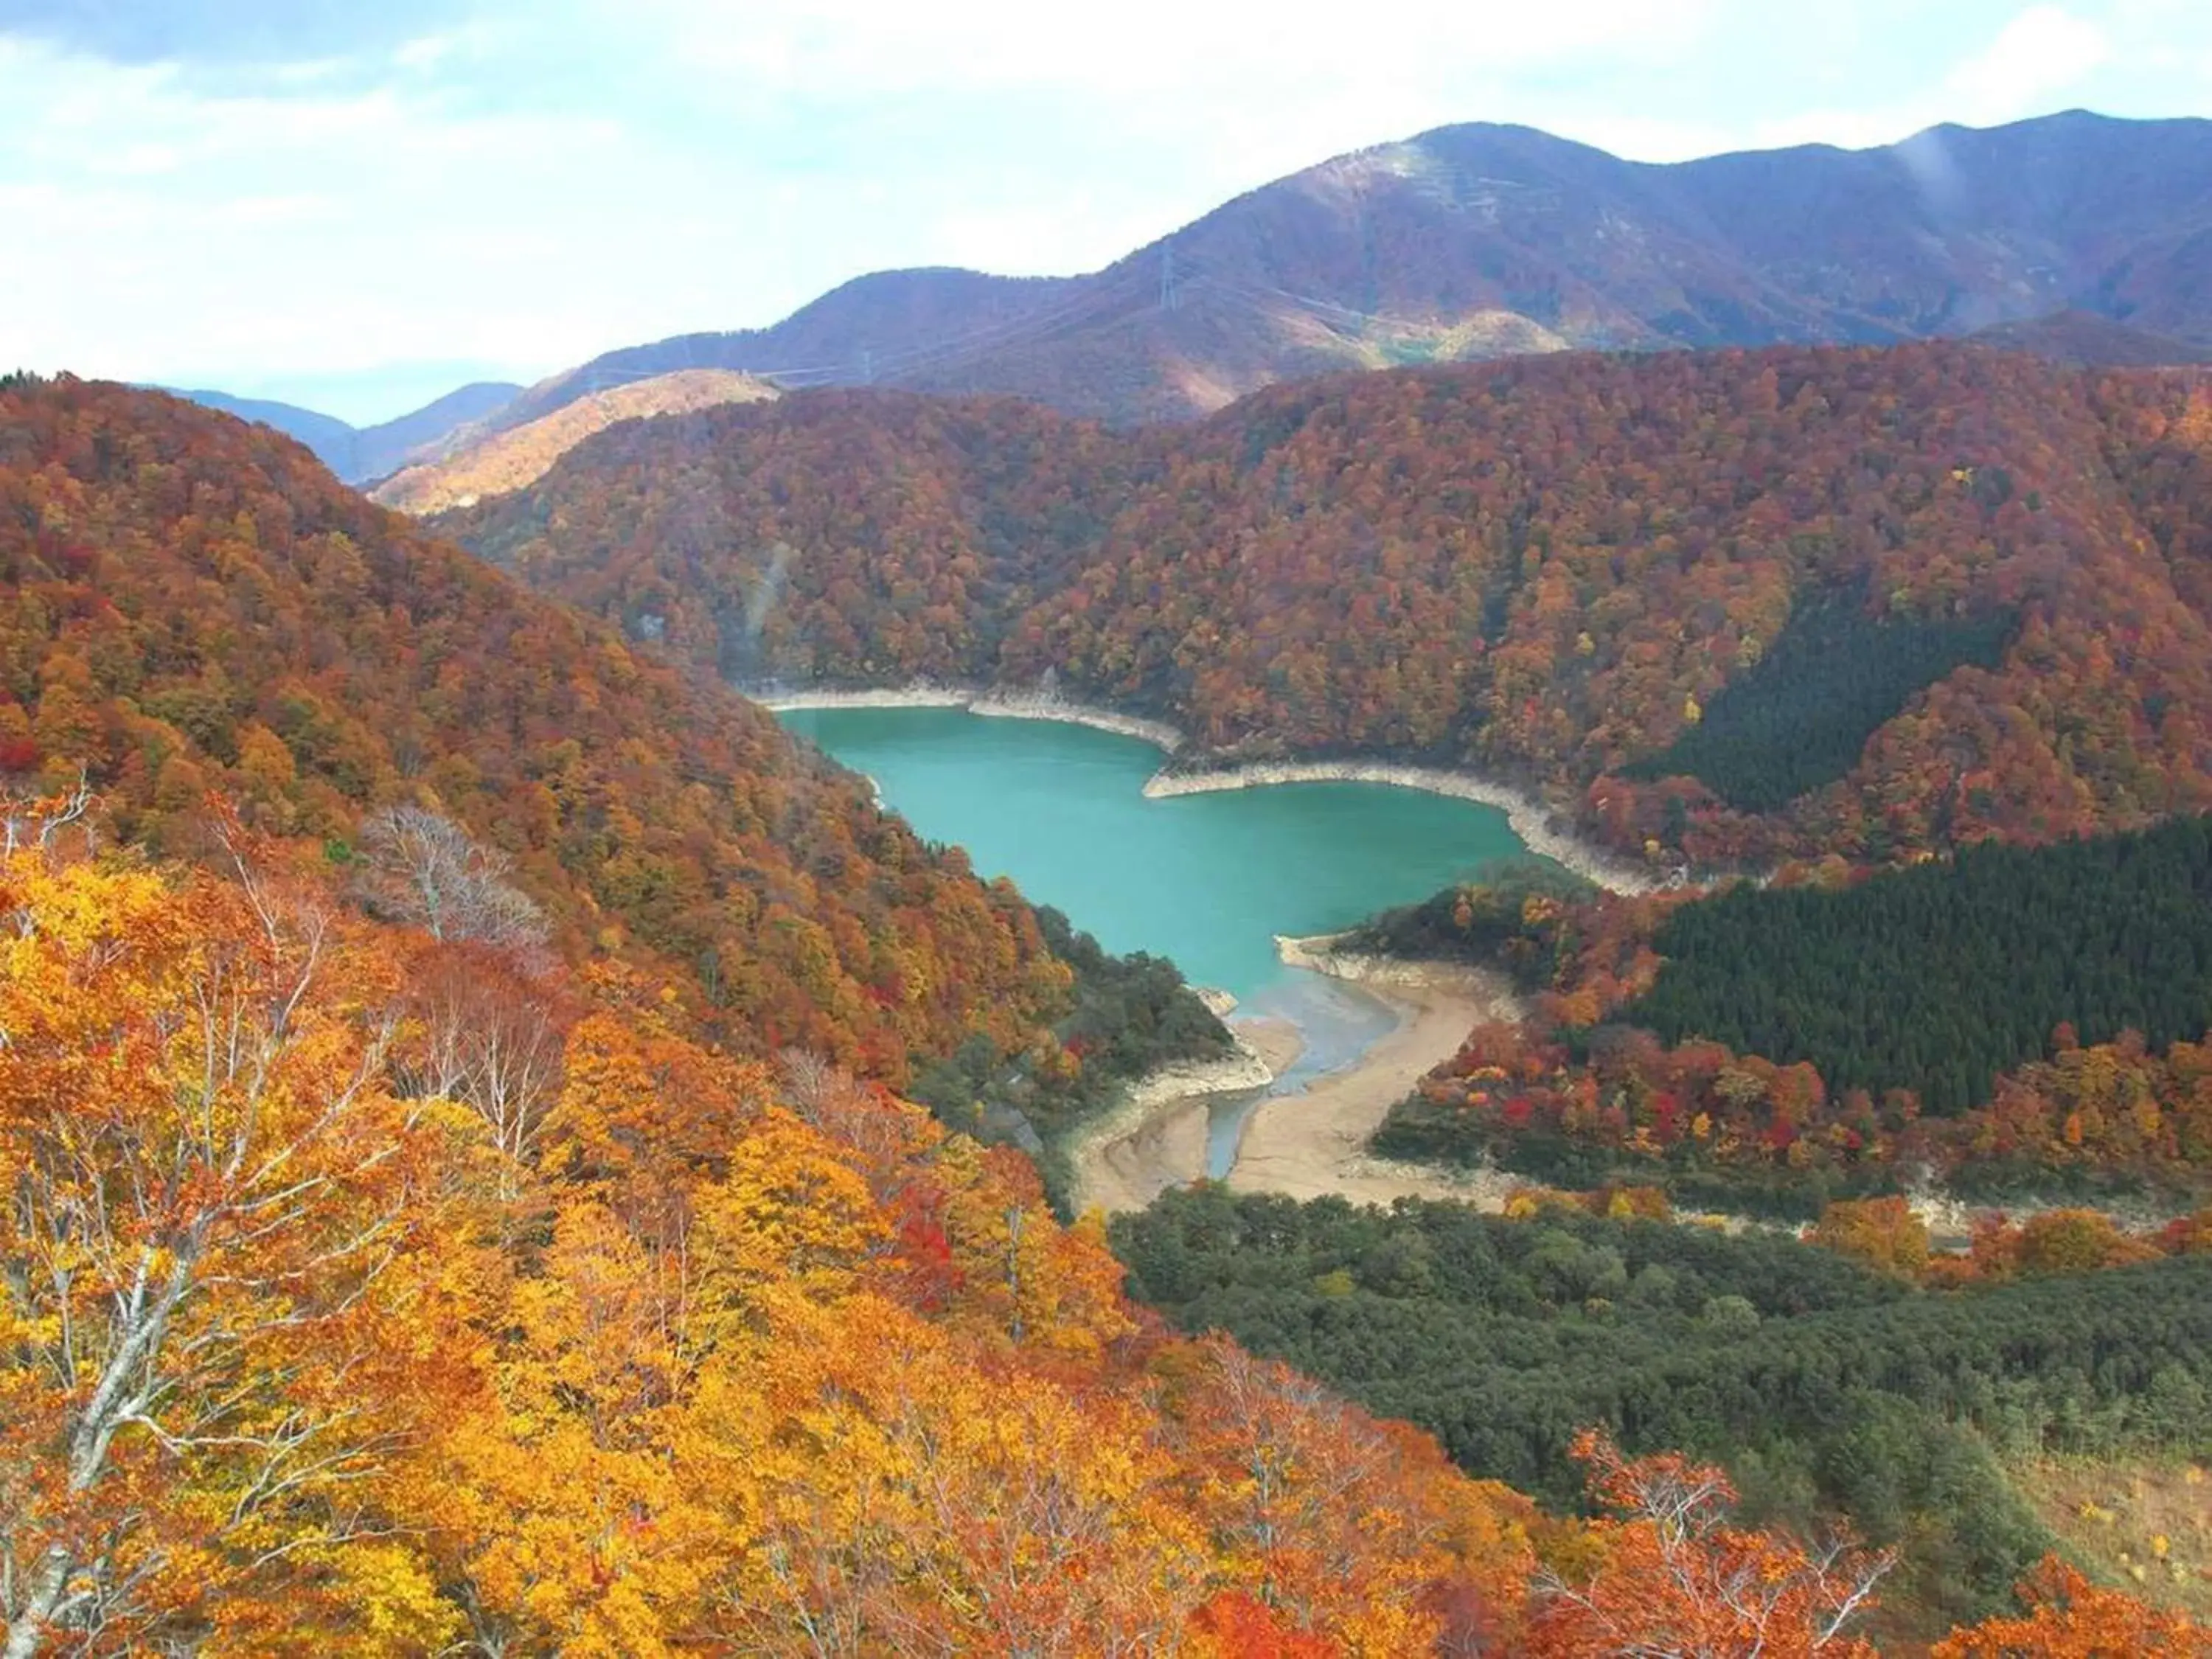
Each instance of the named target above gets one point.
<point>201,606</point>
<point>361,454</point>
<point>480,459</point>
<point>1477,241</point>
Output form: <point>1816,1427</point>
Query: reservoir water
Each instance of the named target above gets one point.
<point>1206,880</point>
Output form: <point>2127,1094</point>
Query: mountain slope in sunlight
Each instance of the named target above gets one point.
<point>475,462</point>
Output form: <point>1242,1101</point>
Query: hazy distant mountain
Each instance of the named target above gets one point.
<point>359,453</point>
<point>1481,241</point>
<point>378,450</point>
<point>885,326</point>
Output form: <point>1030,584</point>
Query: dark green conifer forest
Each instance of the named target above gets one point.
<point>1939,977</point>
<point>1800,716</point>
<point>1825,1386</point>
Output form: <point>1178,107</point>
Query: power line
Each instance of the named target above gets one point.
<point>991,335</point>
<point>1257,293</point>
<point>1092,303</point>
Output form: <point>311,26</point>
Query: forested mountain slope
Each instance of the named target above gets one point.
<point>1987,575</point>
<point>329,439</point>
<point>332,1328</point>
<point>412,1249</point>
<point>2012,1024</point>
<point>485,459</point>
<point>1480,241</point>
<point>193,604</point>
<point>409,1247</point>
<point>1828,1384</point>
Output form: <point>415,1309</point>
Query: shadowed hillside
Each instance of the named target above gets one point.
<point>192,604</point>
<point>2082,339</point>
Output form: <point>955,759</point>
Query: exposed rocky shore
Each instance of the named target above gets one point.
<point>1533,823</point>
<point>991,704</point>
<point>1530,820</point>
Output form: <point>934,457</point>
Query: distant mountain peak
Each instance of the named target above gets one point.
<point>1482,239</point>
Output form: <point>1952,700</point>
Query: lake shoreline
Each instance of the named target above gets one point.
<point>978,701</point>
<point>1313,1143</point>
<point>1532,824</point>
<point>1154,1136</point>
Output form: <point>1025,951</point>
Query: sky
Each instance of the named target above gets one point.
<point>358,204</point>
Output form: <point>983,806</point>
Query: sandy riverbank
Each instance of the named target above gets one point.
<point>1155,1138</point>
<point>975,699</point>
<point>1314,1141</point>
<point>1527,817</point>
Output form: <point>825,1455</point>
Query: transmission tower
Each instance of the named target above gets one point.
<point>1167,277</point>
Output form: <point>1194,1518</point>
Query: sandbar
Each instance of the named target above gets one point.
<point>1314,1141</point>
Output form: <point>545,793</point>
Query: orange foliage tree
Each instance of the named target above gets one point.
<point>1882,1232</point>
<point>1672,1576</point>
<point>232,1282</point>
<point>2069,1618</point>
<point>302,1351</point>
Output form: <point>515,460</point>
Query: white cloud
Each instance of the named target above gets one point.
<point>531,186</point>
<point>424,53</point>
<point>2042,51</point>
<point>521,184</point>
<point>187,236</point>
<point>2024,69</point>
<point>1138,47</point>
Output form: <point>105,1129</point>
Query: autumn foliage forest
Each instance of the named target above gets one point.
<point>1549,569</point>
<point>1825,609</point>
<point>2016,1022</point>
<point>191,607</point>
<point>460,1198</point>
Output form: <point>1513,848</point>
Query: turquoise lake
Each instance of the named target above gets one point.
<point>1206,880</point>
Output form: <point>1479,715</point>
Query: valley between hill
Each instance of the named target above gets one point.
<point>1814,610</point>
<point>506,1150</point>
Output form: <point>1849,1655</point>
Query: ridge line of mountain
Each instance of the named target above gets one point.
<point>1477,241</point>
